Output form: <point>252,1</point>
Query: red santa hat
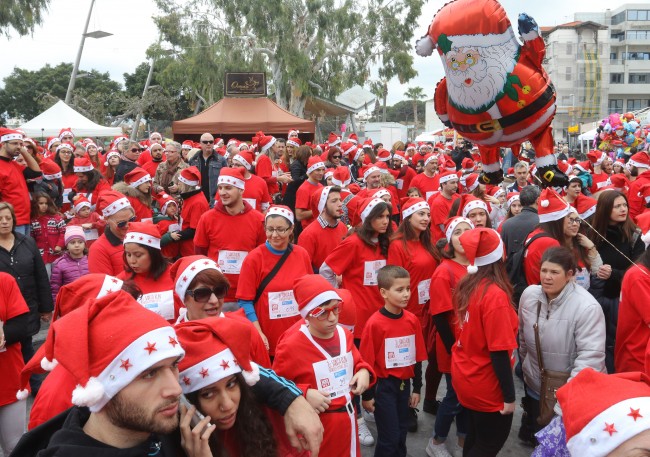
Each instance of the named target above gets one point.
<point>353,138</point>
<point>357,153</point>
<point>9,135</point>
<point>187,144</point>
<point>450,165</point>
<point>51,170</point>
<point>552,207</point>
<point>218,142</point>
<point>294,141</point>
<point>511,172</point>
<point>231,142</point>
<point>429,157</point>
<point>244,158</point>
<point>293,133</point>
<point>447,176</point>
<point>346,148</point>
<point>83,165</point>
<point>311,291</point>
<point>231,177</point>
<point>65,131</point>
<point>452,223</point>
<point>368,144</point>
<point>366,206</point>
<point>164,200</point>
<point>565,167</point>
<point>585,206</point>
<point>280,210</point>
<point>328,173</point>
<point>469,182</point>
<point>191,176</point>
<point>243,146</point>
<point>468,164</point>
<point>469,202</point>
<point>111,154</point>
<point>319,199</point>
<point>75,294</point>
<point>265,142</point>
<point>511,198</point>
<point>620,182</point>
<point>144,233</point>
<point>412,205</point>
<point>314,163</point>
<point>341,177</point>
<point>185,269</point>
<point>639,160</point>
<point>81,202</point>
<point>383,167</point>
<point>380,193</point>
<point>111,201</point>
<point>370,170</point>
<point>643,222</point>
<point>496,191</point>
<point>137,177</point>
<point>383,155</point>
<point>333,139</point>
<point>482,246</point>
<point>410,147</point>
<point>106,344</point>
<point>51,141</point>
<point>596,157</point>
<point>63,146</point>
<point>216,349</point>
<point>600,412</point>
<point>73,232</point>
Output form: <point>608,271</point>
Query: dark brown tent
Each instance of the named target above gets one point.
<point>242,117</point>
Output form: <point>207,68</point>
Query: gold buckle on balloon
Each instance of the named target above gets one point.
<point>488,126</point>
<point>549,175</point>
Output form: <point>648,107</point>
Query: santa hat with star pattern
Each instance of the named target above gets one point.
<point>186,268</point>
<point>111,201</point>
<point>143,233</point>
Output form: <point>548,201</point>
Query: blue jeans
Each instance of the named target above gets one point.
<point>24,229</point>
<point>391,416</point>
<point>449,409</point>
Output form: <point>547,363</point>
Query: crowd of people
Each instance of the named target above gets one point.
<point>270,297</point>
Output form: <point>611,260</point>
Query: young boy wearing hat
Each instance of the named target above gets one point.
<point>331,368</point>
<point>315,171</point>
<point>137,188</point>
<point>90,222</point>
<point>393,345</point>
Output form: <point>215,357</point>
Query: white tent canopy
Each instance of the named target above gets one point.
<point>587,136</point>
<point>51,121</point>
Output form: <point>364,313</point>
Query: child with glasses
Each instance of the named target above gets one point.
<point>331,370</point>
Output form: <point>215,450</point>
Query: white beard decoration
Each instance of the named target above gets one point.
<point>479,84</point>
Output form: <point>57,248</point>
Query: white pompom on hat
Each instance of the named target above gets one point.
<point>482,247</point>
<point>552,207</point>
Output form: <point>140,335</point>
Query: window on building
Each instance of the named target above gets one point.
<point>632,15</point>
<point>569,49</point>
<point>566,100</point>
<point>638,15</point>
<point>613,56</point>
<point>636,55</point>
<point>618,18</point>
<point>639,78</point>
<point>616,78</point>
<point>637,104</point>
<point>617,36</point>
<point>615,105</point>
<point>638,34</point>
<point>568,73</point>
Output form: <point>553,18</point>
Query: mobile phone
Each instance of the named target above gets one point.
<point>197,416</point>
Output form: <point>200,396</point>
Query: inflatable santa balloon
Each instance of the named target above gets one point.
<point>495,93</point>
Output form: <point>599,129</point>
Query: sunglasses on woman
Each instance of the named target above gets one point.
<point>123,224</point>
<point>134,150</point>
<point>203,294</point>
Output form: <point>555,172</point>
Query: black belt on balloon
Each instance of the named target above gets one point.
<point>493,125</point>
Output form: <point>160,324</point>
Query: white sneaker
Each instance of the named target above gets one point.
<point>368,416</point>
<point>437,450</point>
<point>365,437</point>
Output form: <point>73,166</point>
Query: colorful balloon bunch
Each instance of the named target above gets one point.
<point>617,133</point>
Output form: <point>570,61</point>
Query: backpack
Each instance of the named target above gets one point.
<point>515,269</point>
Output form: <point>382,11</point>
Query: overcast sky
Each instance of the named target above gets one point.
<point>57,40</point>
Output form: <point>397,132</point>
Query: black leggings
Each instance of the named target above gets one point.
<point>487,433</point>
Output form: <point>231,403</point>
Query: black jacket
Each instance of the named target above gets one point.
<point>63,436</point>
<point>25,264</point>
<point>618,263</point>
<point>515,230</point>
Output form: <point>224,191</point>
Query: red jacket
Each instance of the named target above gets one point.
<point>48,231</point>
<point>106,255</point>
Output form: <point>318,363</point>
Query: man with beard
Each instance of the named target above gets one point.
<point>321,238</point>
<point>124,359</point>
<point>151,166</point>
<point>639,164</point>
<point>230,230</point>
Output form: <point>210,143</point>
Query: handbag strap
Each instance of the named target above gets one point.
<point>538,345</point>
<point>269,277</point>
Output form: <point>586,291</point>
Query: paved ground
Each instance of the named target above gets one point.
<point>417,442</point>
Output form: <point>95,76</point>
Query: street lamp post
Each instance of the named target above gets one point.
<point>573,111</point>
<point>75,69</point>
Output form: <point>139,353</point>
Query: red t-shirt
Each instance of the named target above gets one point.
<point>427,186</point>
<point>13,189</point>
<point>303,199</point>
<point>105,258</point>
<point>393,345</point>
<point>265,170</point>
<point>440,207</point>
<point>490,325</point>
<point>151,167</point>
<point>632,331</point>
<point>256,193</point>
<point>157,294</point>
<point>215,232</point>
<point>420,264</point>
<point>448,274</point>
<point>69,182</point>
<point>358,264</point>
<point>403,182</point>
<point>277,308</point>
<point>12,304</point>
<point>635,201</point>
<point>534,253</point>
<point>193,208</point>
<point>319,241</point>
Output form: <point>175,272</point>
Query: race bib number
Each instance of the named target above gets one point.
<point>91,234</point>
<point>400,352</point>
<point>430,194</point>
<point>230,261</point>
<point>174,228</point>
<point>282,304</point>
<point>274,173</point>
<point>252,202</point>
<point>370,271</point>
<point>66,193</point>
<point>147,219</point>
<point>333,376</point>
<point>423,291</point>
<point>161,303</point>
<point>583,279</point>
<point>399,183</point>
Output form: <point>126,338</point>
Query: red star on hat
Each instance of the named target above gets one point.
<point>203,372</point>
<point>609,428</point>
<point>150,347</point>
<point>173,341</point>
<point>224,364</point>
<point>125,364</point>
<point>193,268</point>
<point>635,413</point>
<point>186,380</point>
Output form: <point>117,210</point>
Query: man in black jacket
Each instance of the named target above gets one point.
<point>515,230</point>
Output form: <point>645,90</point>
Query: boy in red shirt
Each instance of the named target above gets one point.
<point>393,345</point>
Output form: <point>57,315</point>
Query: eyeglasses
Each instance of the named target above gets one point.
<point>321,313</point>
<point>123,224</point>
<point>65,152</point>
<point>134,150</point>
<point>279,231</point>
<point>576,220</point>
<point>171,151</point>
<point>203,294</point>
<point>207,141</point>
<point>336,157</point>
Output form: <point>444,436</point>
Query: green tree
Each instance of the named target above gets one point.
<point>311,47</point>
<point>21,15</point>
<point>26,93</point>
<point>415,94</point>
<point>402,112</point>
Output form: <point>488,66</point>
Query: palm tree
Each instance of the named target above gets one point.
<point>415,94</point>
